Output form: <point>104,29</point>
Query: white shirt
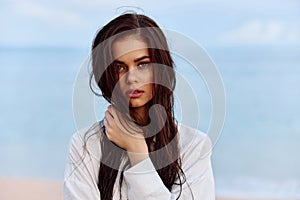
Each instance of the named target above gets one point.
<point>141,181</point>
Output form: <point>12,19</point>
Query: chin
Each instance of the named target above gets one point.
<point>133,106</point>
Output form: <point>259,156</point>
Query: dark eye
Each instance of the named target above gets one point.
<point>143,65</point>
<point>120,68</point>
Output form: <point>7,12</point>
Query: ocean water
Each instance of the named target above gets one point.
<point>257,153</point>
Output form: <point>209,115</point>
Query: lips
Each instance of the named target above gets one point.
<point>134,93</point>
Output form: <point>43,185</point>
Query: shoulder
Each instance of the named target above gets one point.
<point>87,139</point>
<point>191,139</point>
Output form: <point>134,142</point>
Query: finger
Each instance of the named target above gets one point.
<point>105,123</point>
<point>113,111</point>
<point>106,127</point>
<point>108,117</point>
<point>110,110</point>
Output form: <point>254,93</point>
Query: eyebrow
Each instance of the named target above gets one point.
<point>141,58</point>
<point>135,60</point>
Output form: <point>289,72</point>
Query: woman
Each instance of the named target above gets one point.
<point>138,151</point>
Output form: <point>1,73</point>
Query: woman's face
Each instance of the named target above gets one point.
<point>132,62</point>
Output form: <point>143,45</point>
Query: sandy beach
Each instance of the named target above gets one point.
<point>19,189</point>
<point>251,198</point>
<point>22,189</point>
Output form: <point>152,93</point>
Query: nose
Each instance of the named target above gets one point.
<point>132,76</point>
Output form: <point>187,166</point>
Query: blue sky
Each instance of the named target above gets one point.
<point>209,22</point>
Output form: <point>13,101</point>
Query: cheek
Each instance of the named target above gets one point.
<point>150,85</point>
<point>122,85</point>
<point>148,77</point>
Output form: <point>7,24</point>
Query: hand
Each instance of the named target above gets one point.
<point>118,132</point>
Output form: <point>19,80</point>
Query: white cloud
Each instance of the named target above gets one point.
<point>142,6</point>
<point>47,14</point>
<point>54,19</point>
<point>263,32</point>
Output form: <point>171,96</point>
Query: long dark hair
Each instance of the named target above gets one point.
<point>166,140</point>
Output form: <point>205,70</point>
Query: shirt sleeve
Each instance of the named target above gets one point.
<point>144,182</point>
<point>80,180</point>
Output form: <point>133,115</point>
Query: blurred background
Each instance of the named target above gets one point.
<point>254,44</point>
